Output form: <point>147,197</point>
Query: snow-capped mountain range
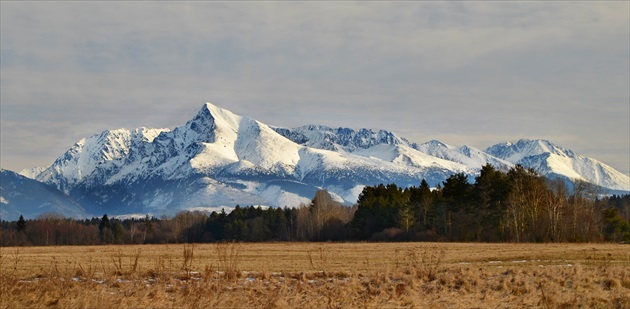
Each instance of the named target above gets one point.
<point>222,159</point>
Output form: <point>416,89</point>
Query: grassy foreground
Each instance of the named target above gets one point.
<point>317,275</point>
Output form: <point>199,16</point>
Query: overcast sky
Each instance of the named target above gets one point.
<point>474,73</point>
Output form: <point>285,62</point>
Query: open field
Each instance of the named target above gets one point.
<point>318,275</point>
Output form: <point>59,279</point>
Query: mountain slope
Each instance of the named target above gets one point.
<point>20,195</point>
<point>466,155</point>
<point>382,145</point>
<point>552,160</point>
<point>219,158</point>
<point>222,159</point>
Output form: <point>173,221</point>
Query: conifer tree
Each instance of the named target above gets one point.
<point>104,226</point>
<point>21,224</point>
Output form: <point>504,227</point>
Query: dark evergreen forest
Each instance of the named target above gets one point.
<point>500,206</point>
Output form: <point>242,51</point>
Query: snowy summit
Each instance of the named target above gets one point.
<point>220,159</point>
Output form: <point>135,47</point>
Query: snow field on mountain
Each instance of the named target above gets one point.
<point>219,158</point>
<point>259,144</point>
<point>552,159</point>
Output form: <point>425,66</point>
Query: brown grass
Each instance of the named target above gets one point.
<point>317,275</point>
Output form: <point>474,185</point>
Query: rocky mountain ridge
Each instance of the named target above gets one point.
<point>221,159</point>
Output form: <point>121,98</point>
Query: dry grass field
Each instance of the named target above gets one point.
<point>317,275</point>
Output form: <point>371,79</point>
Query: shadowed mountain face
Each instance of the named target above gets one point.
<point>222,159</point>
<point>24,196</point>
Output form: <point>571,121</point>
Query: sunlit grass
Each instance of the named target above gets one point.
<point>317,275</point>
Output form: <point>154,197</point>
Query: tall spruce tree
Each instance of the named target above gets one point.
<point>104,226</point>
<point>21,224</point>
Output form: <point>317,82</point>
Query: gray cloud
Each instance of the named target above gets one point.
<point>462,72</point>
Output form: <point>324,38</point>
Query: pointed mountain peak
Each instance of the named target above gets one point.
<point>209,118</point>
<point>221,158</point>
<point>221,116</point>
<point>204,114</point>
<point>217,111</point>
<point>539,146</point>
<point>538,141</point>
<point>523,148</point>
<point>552,159</point>
<point>467,150</point>
<point>435,143</point>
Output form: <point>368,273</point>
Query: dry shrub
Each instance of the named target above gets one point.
<point>117,262</point>
<point>135,259</point>
<point>611,283</point>
<point>389,234</point>
<point>88,271</point>
<point>120,268</point>
<point>228,254</point>
<point>320,259</point>
<point>187,261</point>
<point>427,262</point>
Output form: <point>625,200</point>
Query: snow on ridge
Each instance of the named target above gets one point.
<point>32,173</point>
<point>149,134</point>
<point>240,138</point>
<point>513,152</point>
<point>406,155</point>
<point>469,156</point>
<point>434,143</point>
<point>261,145</point>
<point>228,149</point>
<point>549,158</point>
<point>339,139</point>
<point>224,116</point>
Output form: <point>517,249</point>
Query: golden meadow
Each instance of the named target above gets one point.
<point>317,275</point>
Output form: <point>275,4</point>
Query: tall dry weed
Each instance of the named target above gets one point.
<point>159,267</point>
<point>319,260</point>
<point>117,262</point>
<point>120,268</point>
<point>228,254</point>
<point>88,271</point>
<point>188,254</point>
<point>425,262</point>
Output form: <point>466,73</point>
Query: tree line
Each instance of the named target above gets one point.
<point>513,206</point>
<point>516,205</point>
